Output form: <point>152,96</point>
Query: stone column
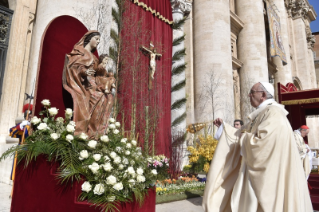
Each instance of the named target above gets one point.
<point>252,49</point>
<point>311,40</point>
<point>180,9</point>
<point>298,10</point>
<point>14,83</point>
<point>283,74</point>
<point>213,75</point>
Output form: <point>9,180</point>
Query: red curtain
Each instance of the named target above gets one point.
<point>141,28</point>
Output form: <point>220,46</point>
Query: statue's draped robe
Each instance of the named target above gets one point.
<point>302,149</point>
<point>260,172</point>
<point>90,104</point>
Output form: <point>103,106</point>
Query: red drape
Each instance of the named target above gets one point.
<point>36,189</point>
<point>140,29</point>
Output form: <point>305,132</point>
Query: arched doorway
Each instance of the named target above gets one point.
<point>58,40</point>
<point>297,83</point>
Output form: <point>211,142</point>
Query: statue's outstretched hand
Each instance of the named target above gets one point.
<point>218,122</point>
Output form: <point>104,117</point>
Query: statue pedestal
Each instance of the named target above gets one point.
<point>36,189</point>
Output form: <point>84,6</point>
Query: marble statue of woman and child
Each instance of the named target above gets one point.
<point>85,77</point>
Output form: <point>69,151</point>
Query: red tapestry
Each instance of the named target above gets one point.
<point>145,102</point>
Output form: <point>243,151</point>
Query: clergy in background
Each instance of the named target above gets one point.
<point>303,148</point>
<point>258,167</point>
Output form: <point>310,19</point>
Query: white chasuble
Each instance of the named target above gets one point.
<point>261,171</point>
<point>302,149</point>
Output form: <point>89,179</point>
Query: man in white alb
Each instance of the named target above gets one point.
<point>257,168</point>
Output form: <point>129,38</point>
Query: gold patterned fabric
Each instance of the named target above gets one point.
<point>153,11</point>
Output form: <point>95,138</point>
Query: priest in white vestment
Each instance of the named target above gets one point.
<point>257,168</point>
<point>303,149</point>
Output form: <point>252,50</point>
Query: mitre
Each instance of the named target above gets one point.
<point>269,87</point>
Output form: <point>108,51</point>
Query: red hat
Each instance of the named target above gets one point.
<point>305,127</point>
<point>26,106</point>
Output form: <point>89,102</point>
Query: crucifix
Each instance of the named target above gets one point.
<point>153,54</point>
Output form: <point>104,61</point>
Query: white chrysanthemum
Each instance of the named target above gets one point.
<point>92,144</point>
<point>117,124</point>
<point>113,155</point>
<point>117,160</point>
<point>128,145</point>
<point>118,186</point>
<point>53,111</point>
<point>86,186</point>
<point>112,126</point>
<point>97,157</point>
<point>99,189</point>
<point>72,123</point>
<point>111,180</point>
<point>131,181</point>
<point>107,167</point>
<point>106,158</point>
<point>121,167</point>
<point>42,126</point>
<point>123,140</point>
<point>111,120</point>
<point>139,171</point>
<point>127,152</point>
<point>134,142</point>
<point>104,138</point>
<point>69,138</point>
<point>60,119</point>
<point>70,128</point>
<point>83,136</point>
<point>84,154</point>
<point>154,172</point>
<point>45,102</point>
<point>125,161</point>
<point>68,113</point>
<point>130,170</point>
<point>116,131</point>
<point>140,178</point>
<point>35,120</point>
<point>132,162</point>
<point>139,153</point>
<point>118,149</point>
<point>111,198</point>
<point>54,136</point>
<point>94,167</point>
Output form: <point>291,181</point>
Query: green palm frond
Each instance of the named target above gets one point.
<point>178,104</point>
<point>178,86</point>
<point>178,69</point>
<point>179,119</point>
<point>179,24</point>
<point>178,40</point>
<point>116,16</point>
<point>114,35</point>
<point>178,55</point>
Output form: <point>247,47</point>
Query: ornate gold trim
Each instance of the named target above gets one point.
<point>147,8</point>
<point>300,101</point>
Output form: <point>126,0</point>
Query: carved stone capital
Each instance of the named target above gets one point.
<point>298,8</point>
<point>311,39</point>
<point>182,6</point>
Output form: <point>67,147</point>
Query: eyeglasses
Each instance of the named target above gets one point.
<point>252,92</point>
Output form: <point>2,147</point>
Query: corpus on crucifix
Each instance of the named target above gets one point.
<point>153,54</point>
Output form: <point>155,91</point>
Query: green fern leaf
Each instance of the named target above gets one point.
<point>178,86</point>
<point>179,120</point>
<point>179,69</point>
<point>178,104</point>
<point>178,55</point>
<point>178,40</point>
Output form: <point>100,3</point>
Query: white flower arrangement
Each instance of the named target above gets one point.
<point>104,138</point>
<point>54,136</point>
<point>69,138</point>
<point>53,111</point>
<point>111,165</point>
<point>86,187</point>
<point>83,136</point>
<point>92,144</point>
<point>45,102</point>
